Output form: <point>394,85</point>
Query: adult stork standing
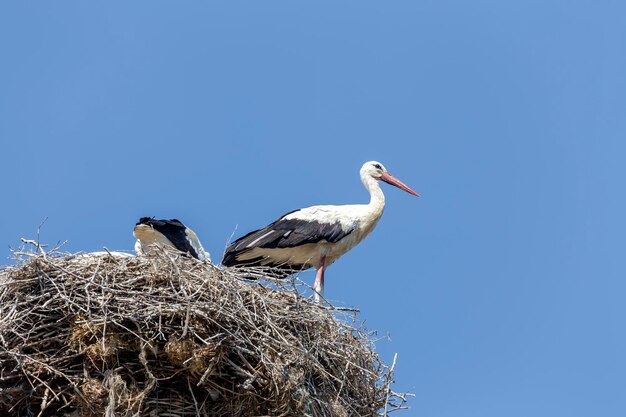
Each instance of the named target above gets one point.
<point>170,233</point>
<point>315,236</point>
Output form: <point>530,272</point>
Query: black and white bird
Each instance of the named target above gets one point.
<point>170,233</point>
<point>315,236</point>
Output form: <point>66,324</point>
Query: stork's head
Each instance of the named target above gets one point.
<point>378,171</point>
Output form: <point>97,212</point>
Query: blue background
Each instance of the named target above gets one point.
<point>501,289</point>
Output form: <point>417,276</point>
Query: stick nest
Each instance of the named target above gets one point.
<point>105,335</point>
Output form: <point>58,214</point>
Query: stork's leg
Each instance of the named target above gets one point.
<point>318,287</point>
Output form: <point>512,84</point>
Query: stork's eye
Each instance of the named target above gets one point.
<point>377,166</point>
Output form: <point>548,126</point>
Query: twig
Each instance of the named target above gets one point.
<point>114,337</point>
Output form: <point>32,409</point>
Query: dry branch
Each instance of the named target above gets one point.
<point>103,335</point>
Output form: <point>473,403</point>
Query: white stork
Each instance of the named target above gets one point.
<point>170,233</point>
<point>315,236</point>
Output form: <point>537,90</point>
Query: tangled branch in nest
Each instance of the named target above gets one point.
<point>102,335</point>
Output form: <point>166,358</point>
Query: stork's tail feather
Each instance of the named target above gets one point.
<point>279,270</point>
<point>230,258</point>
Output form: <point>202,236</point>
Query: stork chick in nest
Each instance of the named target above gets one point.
<point>171,234</point>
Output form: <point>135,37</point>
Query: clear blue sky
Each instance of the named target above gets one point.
<point>502,289</point>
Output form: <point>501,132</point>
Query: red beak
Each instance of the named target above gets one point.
<point>390,179</point>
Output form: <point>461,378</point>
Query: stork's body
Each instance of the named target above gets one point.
<point>171,234</point>
<point>315,236</point>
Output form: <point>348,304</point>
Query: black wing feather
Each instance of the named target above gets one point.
<point>283,233</point>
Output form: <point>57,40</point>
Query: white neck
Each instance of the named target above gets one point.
<point>377,198</point>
